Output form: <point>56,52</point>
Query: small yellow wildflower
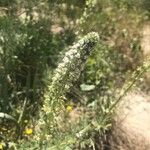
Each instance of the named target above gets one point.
<point>1,146</point>
<point>28,131</point>
<point>69,108</point>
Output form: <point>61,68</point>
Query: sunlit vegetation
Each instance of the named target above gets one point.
<point>64,66</point>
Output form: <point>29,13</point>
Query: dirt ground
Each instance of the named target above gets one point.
<point>132,125</point>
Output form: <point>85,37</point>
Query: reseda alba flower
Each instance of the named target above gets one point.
<point>67,72</point>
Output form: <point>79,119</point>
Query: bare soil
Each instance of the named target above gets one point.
<point>131,129</point>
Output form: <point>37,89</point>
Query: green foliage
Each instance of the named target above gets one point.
<point>33,38</point>
<point>27,48</point>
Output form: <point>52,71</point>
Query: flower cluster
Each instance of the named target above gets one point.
<point>64,76</point>
<point>68,71</point>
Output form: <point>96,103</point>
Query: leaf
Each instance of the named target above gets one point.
<point>68,148</point>
<point>86,87</point>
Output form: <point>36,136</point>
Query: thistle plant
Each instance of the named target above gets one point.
<point>64,76</point>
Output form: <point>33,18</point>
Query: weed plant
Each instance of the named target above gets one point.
<point>61,105</point>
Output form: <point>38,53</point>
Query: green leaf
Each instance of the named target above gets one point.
<point>68,148</point>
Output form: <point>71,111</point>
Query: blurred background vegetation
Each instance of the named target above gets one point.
<point>34,34</point>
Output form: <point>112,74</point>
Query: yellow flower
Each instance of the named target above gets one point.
<point>69,108</point>
<point>28,131</point>
<point>1,146</point>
